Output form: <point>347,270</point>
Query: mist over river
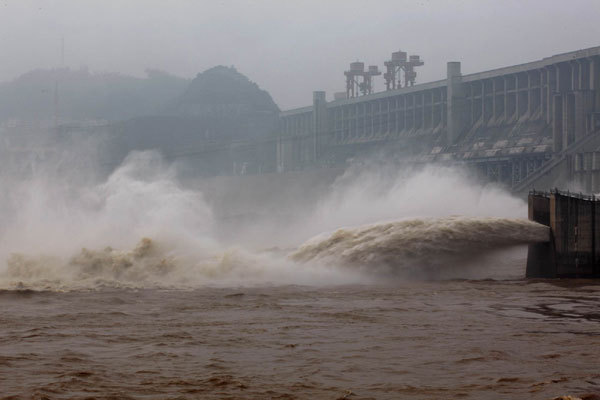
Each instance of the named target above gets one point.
<point>379,285</point>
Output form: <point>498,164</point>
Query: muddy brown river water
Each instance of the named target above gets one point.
<point>473,339</point>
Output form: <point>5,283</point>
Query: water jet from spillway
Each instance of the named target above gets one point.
<point>420,242</point>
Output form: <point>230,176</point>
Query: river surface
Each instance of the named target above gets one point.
<point>384,286</point>
<point>473,339</point>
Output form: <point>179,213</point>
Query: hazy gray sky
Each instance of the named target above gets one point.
<point>289,47</point>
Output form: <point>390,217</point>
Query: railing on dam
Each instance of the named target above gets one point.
<point>574,246</point>
<point>567,193</point>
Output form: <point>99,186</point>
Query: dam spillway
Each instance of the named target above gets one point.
<point>529,125</point>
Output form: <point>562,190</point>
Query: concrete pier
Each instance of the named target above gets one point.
<point>573,250</point>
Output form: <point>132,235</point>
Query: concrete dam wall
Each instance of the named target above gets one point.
<point>535,123</point>
<point>573,250</point>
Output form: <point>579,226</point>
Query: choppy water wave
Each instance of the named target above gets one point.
<point>153,264</point>
<point>420,242</point>
<point>89,268</point>
<point>377,249</point>
<point>54,231</point>
<point>353,342</point>
<point>149,264</point>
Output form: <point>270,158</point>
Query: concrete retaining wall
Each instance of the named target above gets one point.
<point>574,246</point>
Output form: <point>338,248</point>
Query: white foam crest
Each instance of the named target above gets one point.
<point>153,264</point>
<point>416,244</point>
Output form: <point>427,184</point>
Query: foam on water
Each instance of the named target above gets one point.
<point>141,228</point>
<point>158,265</point>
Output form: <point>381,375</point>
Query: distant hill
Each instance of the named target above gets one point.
<point>82,95</point>
<point>221,123</point>
<point>220,90</point>
<point>228,104</point>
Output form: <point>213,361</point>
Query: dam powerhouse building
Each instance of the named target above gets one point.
<point>529,125</point>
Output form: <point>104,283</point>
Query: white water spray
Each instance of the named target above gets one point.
<point>140,228</point>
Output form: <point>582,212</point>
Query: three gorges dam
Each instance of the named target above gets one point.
<point>534,125</point>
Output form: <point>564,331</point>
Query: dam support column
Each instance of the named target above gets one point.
<point>595,82</point>
<point>319,124</point>
<point>557,122</point>
<point>455,103</point>
<point>540,256</point>
<point>573,250</point>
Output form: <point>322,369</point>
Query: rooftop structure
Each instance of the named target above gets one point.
<point>396,65</point>
<point>354,85</point>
